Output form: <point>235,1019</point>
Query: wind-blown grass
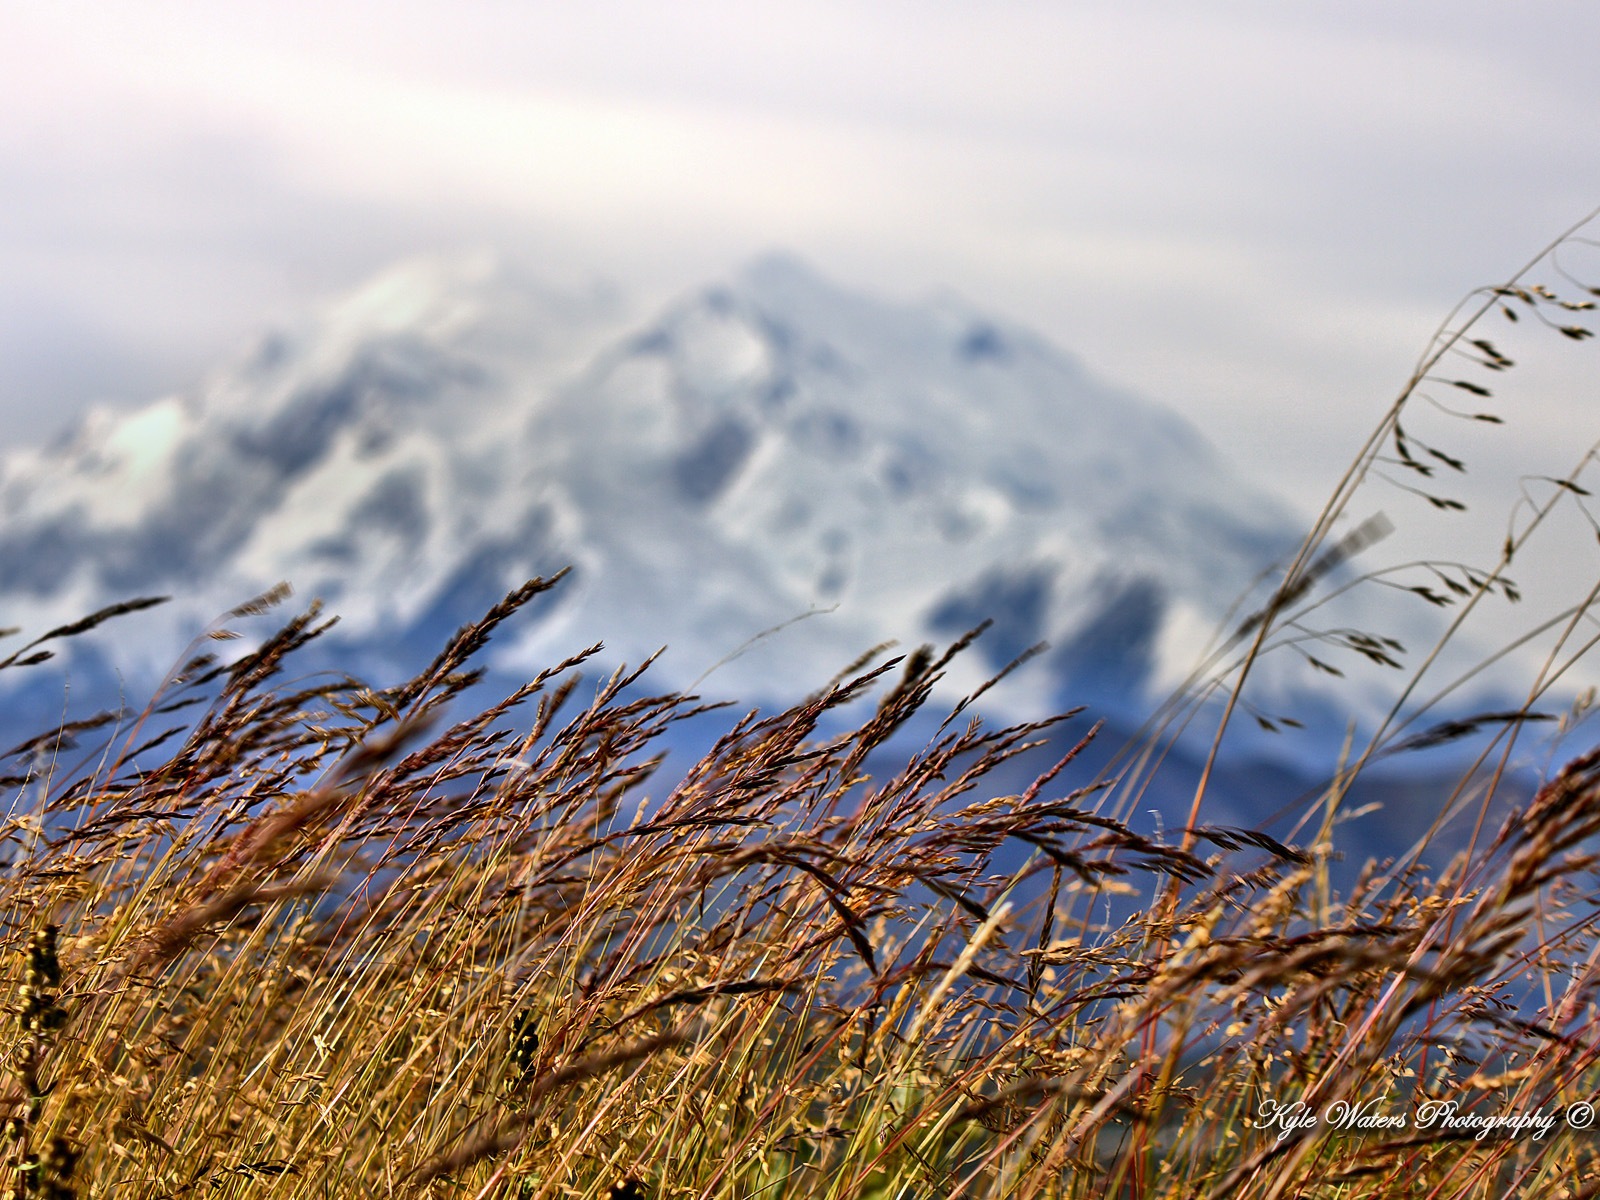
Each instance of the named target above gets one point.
<point>333,940</point>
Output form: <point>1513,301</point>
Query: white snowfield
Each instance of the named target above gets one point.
<point>768,447</point>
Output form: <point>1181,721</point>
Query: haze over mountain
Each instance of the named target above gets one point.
<point>767,447</point>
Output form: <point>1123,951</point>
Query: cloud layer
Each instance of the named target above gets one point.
<point>1252,211</point>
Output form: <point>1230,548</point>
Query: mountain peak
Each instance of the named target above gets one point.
<point>429,295</point>
<point>776,272</point>
<point>766,448</point>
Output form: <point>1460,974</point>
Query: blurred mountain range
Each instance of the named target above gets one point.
<point>767,448</point>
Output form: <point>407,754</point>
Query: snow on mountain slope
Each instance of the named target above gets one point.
<point>355,453</point>
<point>766,448</point>
<point>779,445</point>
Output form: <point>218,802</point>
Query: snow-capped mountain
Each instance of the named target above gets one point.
<point>770,447</point>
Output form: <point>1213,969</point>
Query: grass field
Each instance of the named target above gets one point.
<point>276,939</point>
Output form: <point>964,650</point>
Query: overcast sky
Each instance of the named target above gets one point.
<point>1254,212</point>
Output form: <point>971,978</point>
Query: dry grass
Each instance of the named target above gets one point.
<point>318,942</point>
<point>323,948</point>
